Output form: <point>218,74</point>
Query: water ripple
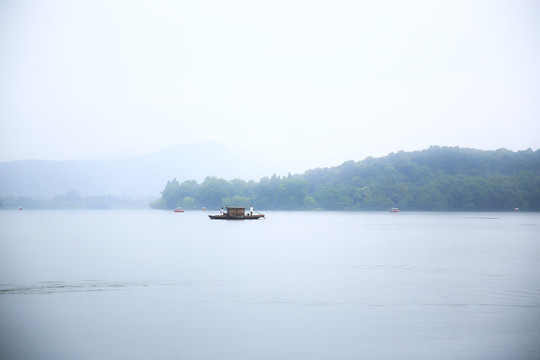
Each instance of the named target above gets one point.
<point>53,287</point>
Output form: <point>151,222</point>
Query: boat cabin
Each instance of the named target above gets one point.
<point>236,212</point>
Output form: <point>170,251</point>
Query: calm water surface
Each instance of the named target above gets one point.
<point>299,285</point>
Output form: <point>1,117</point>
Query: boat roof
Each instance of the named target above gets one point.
<point>235,208</point>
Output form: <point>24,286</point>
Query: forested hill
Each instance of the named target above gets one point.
<point>439,178</point>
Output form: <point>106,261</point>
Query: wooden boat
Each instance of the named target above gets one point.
<point>178,209</point>
<point>236,213</point>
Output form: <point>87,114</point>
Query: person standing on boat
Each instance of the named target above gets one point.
<point>250,210</point>
<point>222,212</point>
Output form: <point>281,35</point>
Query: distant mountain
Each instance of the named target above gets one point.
<point>135,177</point>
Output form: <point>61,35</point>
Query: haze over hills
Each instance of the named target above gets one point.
<point>146,176</point>
<point>143,176</point>
<point>438,178</point>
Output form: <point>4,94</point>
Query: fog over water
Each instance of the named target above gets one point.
<point>283,86</point>
<point>319,285</point>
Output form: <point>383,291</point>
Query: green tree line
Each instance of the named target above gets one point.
<point>439,178</point>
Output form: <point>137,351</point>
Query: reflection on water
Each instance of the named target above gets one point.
<point>159,285</point>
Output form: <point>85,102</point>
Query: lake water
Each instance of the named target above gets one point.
<point>144,284</point>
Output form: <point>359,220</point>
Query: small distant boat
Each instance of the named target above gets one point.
<point>178,209</point>
<point>236,213</point>
<point>516,209</point>
<point>394,210</point>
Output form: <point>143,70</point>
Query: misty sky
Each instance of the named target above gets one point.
<point>313,83</point>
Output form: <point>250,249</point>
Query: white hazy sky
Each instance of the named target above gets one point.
<point>312,83</point>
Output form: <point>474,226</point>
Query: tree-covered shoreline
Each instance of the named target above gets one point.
<point>436,179</point>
